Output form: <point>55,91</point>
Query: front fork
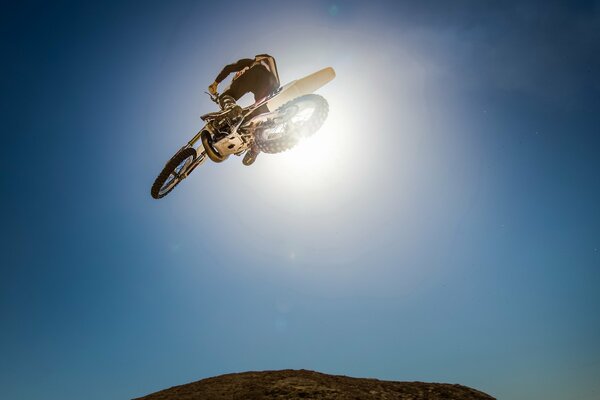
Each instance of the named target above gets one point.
<point>200,157</point>
<point>195,139</point>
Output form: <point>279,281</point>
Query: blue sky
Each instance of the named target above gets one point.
<point>442,226</point>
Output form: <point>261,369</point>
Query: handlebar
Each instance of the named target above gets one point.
<point>214,98</point>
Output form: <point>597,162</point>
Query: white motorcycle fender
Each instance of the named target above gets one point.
<point>300,87</point>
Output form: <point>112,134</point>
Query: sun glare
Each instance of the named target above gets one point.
<point>314,160</point>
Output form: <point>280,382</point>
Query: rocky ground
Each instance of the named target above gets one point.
<point>302,384</point>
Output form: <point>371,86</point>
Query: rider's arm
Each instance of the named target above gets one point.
<point>235,67</point>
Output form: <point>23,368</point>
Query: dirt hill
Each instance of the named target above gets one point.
<point>302,384</point>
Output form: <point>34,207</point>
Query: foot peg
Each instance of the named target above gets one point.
<point>250,156</point>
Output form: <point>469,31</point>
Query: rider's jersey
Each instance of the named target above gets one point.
<point>242,66</point>
<point>263,60</point>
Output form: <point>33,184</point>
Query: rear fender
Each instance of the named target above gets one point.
<point>300,87</point>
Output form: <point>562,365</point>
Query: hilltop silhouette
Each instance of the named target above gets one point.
<point>303,384</point>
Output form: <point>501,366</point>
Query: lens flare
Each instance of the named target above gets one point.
<point>315,160</point>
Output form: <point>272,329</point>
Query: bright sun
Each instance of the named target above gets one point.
<point>315,159</point>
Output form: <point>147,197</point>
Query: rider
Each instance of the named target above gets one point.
<point>256,75</point>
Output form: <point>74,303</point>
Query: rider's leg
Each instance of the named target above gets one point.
<point>229,97</point>
<point>257,81</point>
<point>251,155</point>
<point>227,103</point>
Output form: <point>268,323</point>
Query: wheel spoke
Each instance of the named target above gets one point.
<point>186,158</point>
<point>174,176</point>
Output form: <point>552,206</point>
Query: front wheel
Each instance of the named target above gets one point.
<point>300,118</point>
<point>174,172</point>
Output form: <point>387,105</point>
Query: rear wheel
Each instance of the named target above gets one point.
<point>301,118</point>
<point>174,172</point>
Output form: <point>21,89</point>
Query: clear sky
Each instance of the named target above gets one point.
<point>444,225</point>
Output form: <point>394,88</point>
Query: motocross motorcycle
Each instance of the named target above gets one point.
<point>273,124</point>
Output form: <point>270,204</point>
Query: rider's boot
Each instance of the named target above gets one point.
<point>228,104</point>
<point>251,155</point>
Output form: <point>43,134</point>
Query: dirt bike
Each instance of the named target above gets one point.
<point>271,125</point>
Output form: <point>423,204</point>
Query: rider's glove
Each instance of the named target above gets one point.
<point>212,89</point>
